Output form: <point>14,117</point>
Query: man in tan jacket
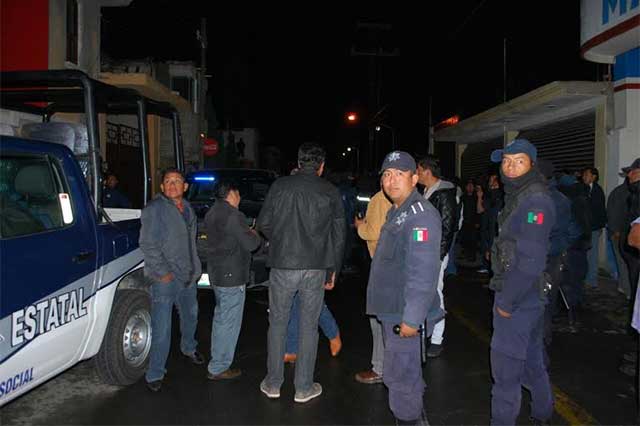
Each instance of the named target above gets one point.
<point>369,230</point>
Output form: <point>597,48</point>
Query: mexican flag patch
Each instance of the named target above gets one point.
<point>420,234</point>
<point>535,218</point>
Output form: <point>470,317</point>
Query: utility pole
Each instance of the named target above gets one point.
<point>202,81</point>
<point>371,40</point>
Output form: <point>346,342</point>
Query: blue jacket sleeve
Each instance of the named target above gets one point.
<point>530,227</point>
<point>422,237</point>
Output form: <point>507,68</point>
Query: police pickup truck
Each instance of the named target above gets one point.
<point>71,280</point>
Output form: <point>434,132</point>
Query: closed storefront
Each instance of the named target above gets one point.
<point>569,144</point>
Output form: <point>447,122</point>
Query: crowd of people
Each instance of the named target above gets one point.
<point>535,229</point>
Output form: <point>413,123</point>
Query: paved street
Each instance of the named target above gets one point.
<point>589,389</point>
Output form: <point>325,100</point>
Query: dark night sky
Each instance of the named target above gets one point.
<point>288,70</point>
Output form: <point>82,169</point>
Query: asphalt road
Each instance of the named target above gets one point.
<point>589,389</point>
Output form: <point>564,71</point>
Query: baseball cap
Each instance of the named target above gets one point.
<point>634,165</point>
<point>516,146</point>
<point>398,160</point>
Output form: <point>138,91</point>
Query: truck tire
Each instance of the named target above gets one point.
<point>124,354</point>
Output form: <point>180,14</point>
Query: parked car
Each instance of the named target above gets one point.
<point>253,185</point>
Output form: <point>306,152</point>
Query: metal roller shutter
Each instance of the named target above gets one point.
<point>569,144</point>
<point>475,158</point>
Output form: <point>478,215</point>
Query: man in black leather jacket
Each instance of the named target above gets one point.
<point>442,195</point>
<point>304,221</point>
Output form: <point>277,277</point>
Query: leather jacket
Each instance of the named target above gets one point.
<point>303,219</point>
<point>444,200</point>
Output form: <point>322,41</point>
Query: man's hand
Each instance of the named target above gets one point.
<point>166,278</point>
<point>332,283</point>
<point>406,331</point>
<point>357,222</point>
<point>502,313</point>
<point>634,236</point>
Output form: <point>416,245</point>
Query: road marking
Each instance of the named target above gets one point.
<point>567,408</point>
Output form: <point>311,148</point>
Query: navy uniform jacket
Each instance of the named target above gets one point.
<point>530,227</point>
<point>405,267</point>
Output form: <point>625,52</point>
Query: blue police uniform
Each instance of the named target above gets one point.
<point>517,349</point>
<point>403,288</point>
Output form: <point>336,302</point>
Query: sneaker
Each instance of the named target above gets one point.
<point>434,350</point>
<point>270,392</point>
<point>316,390</point>
<point>196,358</point>
<point>228,374</point>
<point>155,385</point>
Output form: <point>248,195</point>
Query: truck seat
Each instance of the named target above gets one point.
<point>34,182</point>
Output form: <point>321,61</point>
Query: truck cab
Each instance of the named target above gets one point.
<point>70,270</point>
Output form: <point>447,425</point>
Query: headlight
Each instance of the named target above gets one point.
<point>363,199</point>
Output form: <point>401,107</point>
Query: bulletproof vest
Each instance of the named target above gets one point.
<point>503,251</point>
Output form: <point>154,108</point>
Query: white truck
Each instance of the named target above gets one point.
<point>71,281</point>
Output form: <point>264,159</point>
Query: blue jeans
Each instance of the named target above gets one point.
<point>451,266</point>
<point>612,263</point>
<point>225,326</point>
<point>283,285</point>
<point>326,322</point>
<point>163,297</point>
<point>592,255</point>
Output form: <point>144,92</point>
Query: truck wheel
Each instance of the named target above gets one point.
<point>124,354</point>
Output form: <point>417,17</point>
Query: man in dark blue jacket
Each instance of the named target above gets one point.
<point>519,258</point>
<point>402,290</point>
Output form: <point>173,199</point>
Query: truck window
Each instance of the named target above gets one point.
<point>29,200</point>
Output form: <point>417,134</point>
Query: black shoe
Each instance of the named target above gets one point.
<point>196,358</point>
<point>155,385</point>
<point>434,350</point>
<point>538,422</point>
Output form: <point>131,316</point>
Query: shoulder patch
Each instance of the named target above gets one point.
<point>535,217</point>
<point>420,235</point>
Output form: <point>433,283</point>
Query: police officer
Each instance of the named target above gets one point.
<point>519,256</point>
<point>402,288</point>
<point>559,240</point>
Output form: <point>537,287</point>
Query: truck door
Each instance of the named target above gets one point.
<point>48,263</point>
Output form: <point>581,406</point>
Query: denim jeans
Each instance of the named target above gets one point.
<point>612,264</point>
<point>326,322</point>
<point>283,285</point>
<point>592,255</point>
<point>438,330</point>
<point>451,266</point>
<point>225,326</point>
<point>163,297</point>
